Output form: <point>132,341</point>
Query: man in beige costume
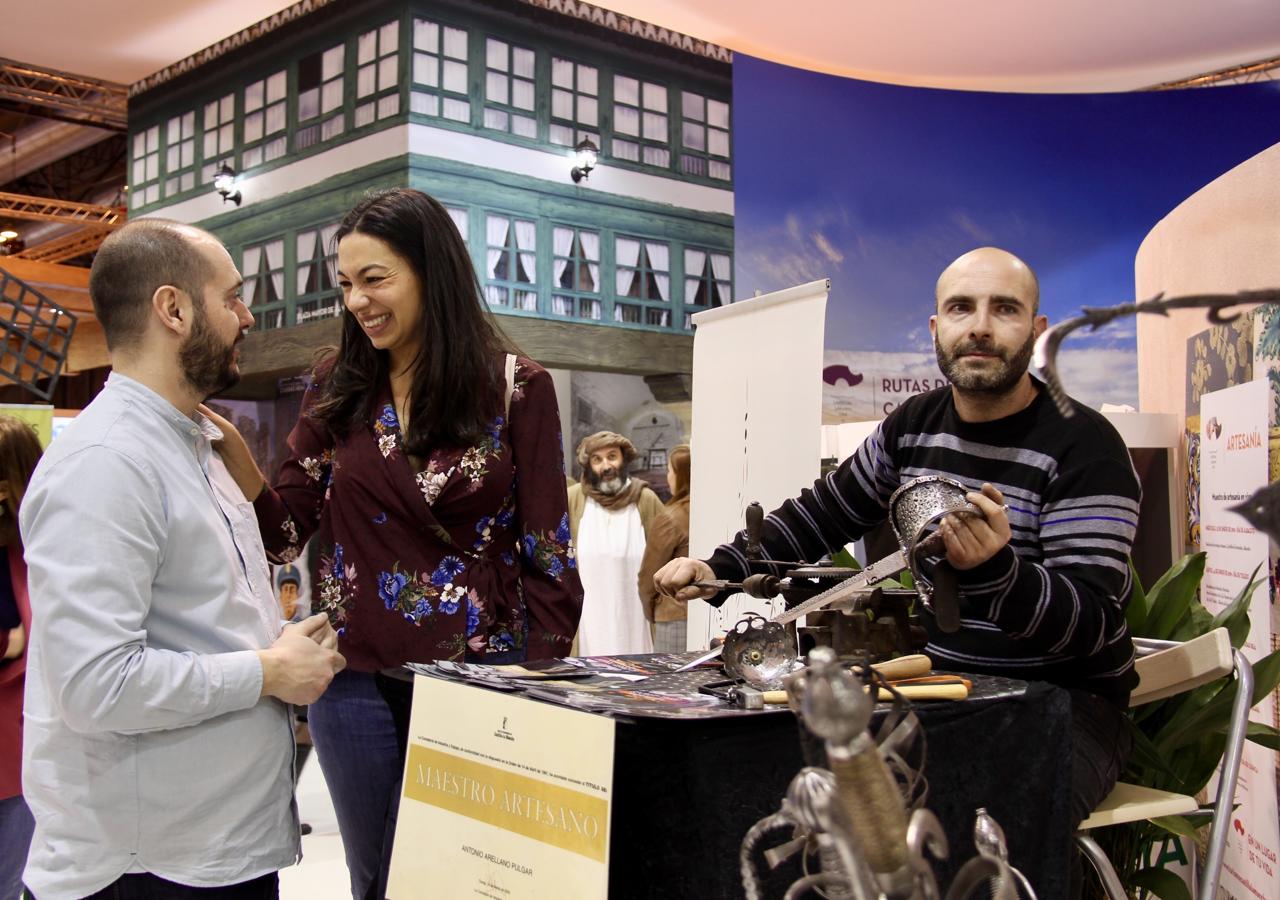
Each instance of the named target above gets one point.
<point>611,516</point>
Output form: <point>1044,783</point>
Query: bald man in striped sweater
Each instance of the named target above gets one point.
<point>1043,576</point>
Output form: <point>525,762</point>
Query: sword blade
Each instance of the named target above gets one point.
<point>878,571</point>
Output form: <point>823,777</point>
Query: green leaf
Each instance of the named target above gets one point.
<point>1212,717</point>
<point>1146,755</point>
<point>1197,622</point>
<point>1215,715</point>
<point>1179,825</point>
<point>1170,598</point>
<point>1264,735</point>
<point>1136,612</point>
<point>1235,616</point>
<point>844,559</point>
<point>1266,675</point>
<point>1163,883</point>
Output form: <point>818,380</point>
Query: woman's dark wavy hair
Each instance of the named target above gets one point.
<point>457,380</point>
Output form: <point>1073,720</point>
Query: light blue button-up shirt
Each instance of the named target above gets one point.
<point>147,746</point>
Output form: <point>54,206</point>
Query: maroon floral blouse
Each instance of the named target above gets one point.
<point>472,552</point>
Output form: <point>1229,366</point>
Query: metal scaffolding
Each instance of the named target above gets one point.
<point>21,206</point>
<point>86,101</point>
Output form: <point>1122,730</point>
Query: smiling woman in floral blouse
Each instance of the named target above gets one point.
<point>432,469</point>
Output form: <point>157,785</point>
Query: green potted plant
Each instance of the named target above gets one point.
<point>1178,742</point>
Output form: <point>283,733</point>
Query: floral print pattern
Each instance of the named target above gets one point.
<point>337,582</point>
<point>293,547</point>
<point>456,554</point>
<point>431,481</point>
<point>475,461</point>
<point>487,526</point>
<point>552,552</point>
<point>387,430</point>
<point>320,467</point>
<point>416,597</point>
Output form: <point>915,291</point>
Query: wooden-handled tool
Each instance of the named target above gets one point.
<point>911,678</point>
<point>952,690</point>
<point>913,666</point>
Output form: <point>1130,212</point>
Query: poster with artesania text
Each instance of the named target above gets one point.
<point>1233,464</point>
<point>504,798</point>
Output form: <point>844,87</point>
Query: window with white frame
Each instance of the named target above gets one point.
<point>315,292</point>
<point>377,74</point>
<point>511,262</point>
<point>642,282</point>
<point>509,88</point>
<point>640,122</point>
<point>708,281</point>
<point>219,136</point>
<point>262,266</point>
<point>320,115</point>
<point>461,219</point>
<point>440,71</point>
<point>144,181</point>
<point>180,154</point>
<point>704,137</point>
<point>265,137</point>
<point>575,273</point>
<point>575,107</point>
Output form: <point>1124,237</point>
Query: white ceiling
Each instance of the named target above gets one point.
<point>1005,45</point>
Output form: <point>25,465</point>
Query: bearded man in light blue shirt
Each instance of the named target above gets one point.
<point>158,750</point>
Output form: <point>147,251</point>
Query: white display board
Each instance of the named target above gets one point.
<point>757,416</point>
<point>1233,464</point>
<point>503,797</point>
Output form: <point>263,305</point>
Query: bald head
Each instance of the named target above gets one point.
<point>989,271</point>
<point>137,260</point>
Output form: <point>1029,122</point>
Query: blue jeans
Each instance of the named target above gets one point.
<point>355,740</point>
<point>16,826</point>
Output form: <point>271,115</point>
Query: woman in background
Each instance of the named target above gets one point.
<point>404,462</point>
<point>669,541</point>
<point>19,453</point>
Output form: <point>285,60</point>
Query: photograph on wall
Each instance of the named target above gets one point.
<point>627,405</point>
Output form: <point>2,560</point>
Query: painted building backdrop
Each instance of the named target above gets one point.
<point>879,187</point>
<point>481,104</point>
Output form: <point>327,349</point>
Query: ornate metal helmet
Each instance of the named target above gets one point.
<point>917,506</point>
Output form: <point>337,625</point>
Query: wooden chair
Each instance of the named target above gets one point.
<point>1166,668</point>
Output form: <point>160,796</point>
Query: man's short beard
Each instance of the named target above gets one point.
<point>1003,379</point>
<point>609,486</point>
<point>207,365</point>
<point>613,485</point>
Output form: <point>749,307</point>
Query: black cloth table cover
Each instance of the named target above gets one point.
<point>686,792</point>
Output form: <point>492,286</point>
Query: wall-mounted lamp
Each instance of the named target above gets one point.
<point>585,154</point>
<point>224,182</point>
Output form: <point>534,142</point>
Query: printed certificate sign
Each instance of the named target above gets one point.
<point>504,798</point>
<point>1233,464</point>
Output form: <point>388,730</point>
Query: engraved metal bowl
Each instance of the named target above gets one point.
<point>759,652</point>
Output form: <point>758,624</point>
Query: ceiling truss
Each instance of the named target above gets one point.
<point>74,98</point>
<point>21,206</point>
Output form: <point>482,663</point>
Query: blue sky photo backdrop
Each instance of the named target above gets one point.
<point>880,186</point>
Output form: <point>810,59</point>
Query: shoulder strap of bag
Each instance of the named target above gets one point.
<point>511,384</point>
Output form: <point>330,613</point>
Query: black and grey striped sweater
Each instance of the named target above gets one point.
<point>1050,605</point>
